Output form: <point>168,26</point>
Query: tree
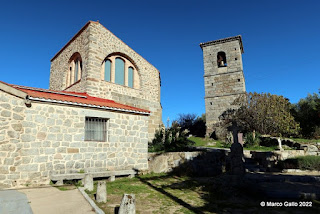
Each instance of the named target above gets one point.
<point>186,121</point>
<point>264,113</point>
<point>199,126</point>
<point>307,113</point>
<point>193,124</point>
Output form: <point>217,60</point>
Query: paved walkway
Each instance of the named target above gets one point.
<point>48,200</point>
<point>12,202</point>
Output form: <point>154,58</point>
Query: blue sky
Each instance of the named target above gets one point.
<point>281,42</point>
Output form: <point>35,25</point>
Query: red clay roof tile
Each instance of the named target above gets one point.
<point>76,98</point>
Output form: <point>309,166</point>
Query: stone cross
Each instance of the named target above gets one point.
<point>234,129</point>
<point>236,152</point>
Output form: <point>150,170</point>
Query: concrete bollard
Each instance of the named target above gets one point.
<point>88,182</point>
<point>128,204</point>
<point>101,192</point>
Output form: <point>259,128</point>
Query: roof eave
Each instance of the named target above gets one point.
<point>13,91</point>
<point>87,105</point>
<point>72,39</point>
<point>220,41</point>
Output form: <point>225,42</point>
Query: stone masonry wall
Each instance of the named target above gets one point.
<point>48,139</point>
<point>192,163</point>
<point>94,44</point>
<point>222,84</point>
<point>60,65</point>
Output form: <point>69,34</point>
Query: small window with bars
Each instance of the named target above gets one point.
<point>96,129</point>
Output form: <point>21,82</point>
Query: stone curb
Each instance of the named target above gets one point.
<point>91,202</point>
<point>299,170</point>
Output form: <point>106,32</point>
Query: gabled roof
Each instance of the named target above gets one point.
<point>83,29</point>
<point>75,98</point>
<point>73,38</point>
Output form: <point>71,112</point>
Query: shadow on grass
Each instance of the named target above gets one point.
<point>222,193</point>
<point>171,196</point>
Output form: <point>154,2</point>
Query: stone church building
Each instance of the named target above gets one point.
<point>100,111</point>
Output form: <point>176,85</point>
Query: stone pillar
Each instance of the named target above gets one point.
<point>112,178</point>
<point>280,144</point>
<point>88,182</point>
<point>128,204</point>
<point>79,71</point>
<point>125,73</point>
<point>59,183</point>
<point>113,68</point>
<point>73,65</point>
<point>101,192</point>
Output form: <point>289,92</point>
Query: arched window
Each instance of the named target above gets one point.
<point>222,59</point>
<point>75,69</point>
<point>119,71</point>
<point>130,77</point>
<point>107,70</point>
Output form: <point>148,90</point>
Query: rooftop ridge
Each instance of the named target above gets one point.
<point>48,91</point>
<point>83,28</point>
<point>72,39</point>
<point>220,41</point>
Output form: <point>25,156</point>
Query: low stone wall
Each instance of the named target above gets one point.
<point>200,163</point>
<point>270,159</point>
<point>213,161</point>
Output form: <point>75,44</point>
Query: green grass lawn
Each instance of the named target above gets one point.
<point>155,193</point>
<point>200,141</point>
<point>203,142</point>
<point>171,194</point>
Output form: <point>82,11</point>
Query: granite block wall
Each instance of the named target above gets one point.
<point>46,139</point>
<point>222,84</point>
<point>94,43</point>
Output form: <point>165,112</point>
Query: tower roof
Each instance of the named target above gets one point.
<point>220,41</point>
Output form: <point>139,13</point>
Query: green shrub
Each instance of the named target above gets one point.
<point>252,139</point>
<point>228,141</point>
<point>171,140</point>
<point>303,162</point>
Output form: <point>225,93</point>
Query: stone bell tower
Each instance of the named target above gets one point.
<point>223,76</point>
